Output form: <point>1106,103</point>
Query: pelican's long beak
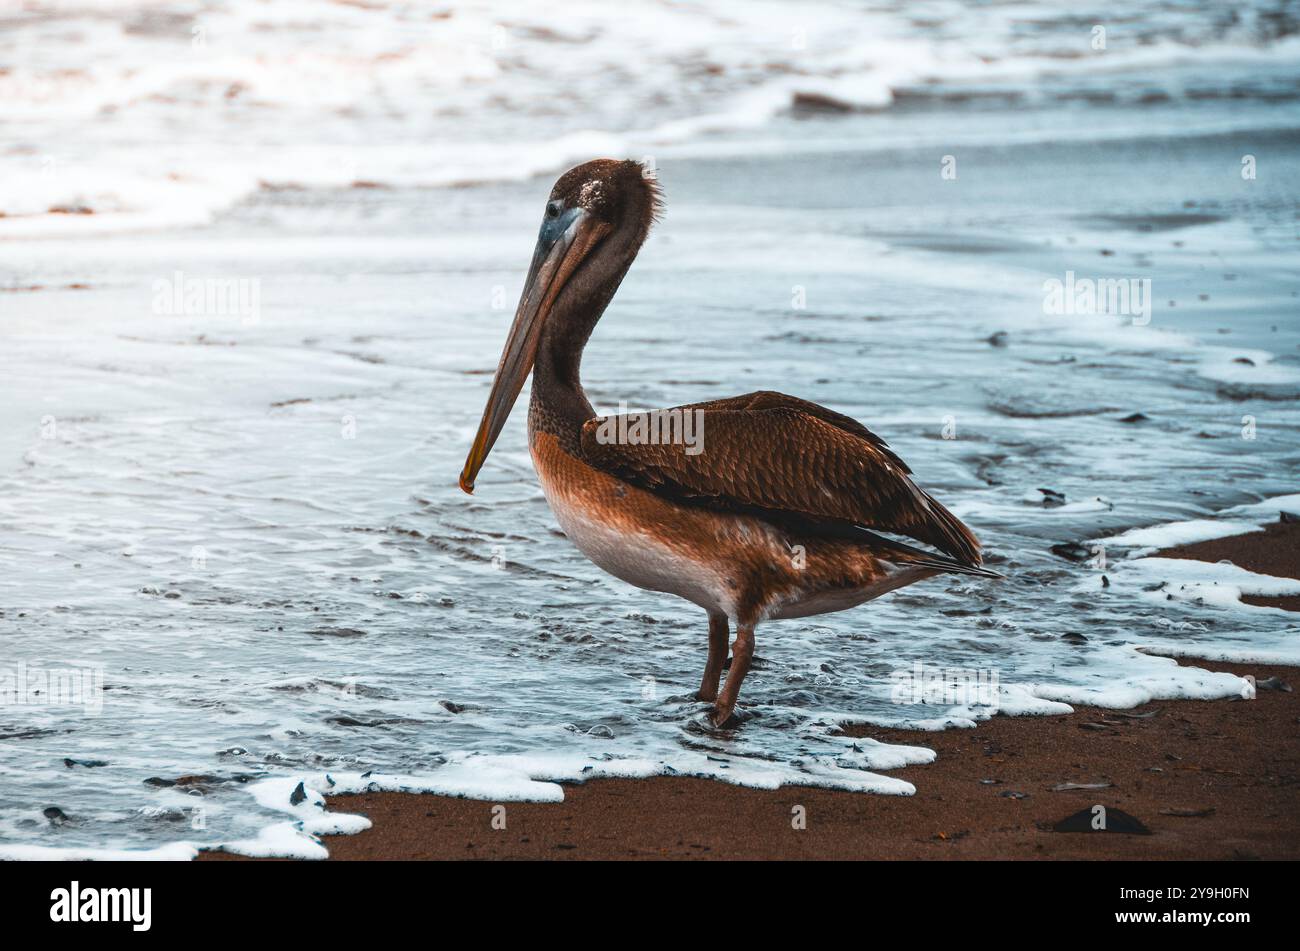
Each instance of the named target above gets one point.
<point>564,241</point>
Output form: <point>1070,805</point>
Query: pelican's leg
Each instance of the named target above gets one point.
<point>742,652</point>
<point>717,657</point>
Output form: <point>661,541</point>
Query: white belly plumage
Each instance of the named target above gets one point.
<point>640,558</point>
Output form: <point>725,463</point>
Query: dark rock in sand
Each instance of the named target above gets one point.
<point>336,632</point>
<point>1071,551</point>
<point>197,780</point>
<point>1273,683</point>
<point>812,103</point>
<point>1188,813</point>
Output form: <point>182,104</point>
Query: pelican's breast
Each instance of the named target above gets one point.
<point>634,535</point>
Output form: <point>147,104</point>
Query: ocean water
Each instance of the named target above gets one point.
<point>239,528</point>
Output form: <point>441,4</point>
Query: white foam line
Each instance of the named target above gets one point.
<point>1185,582</point>
<point>1178,683</point>
<point>298,837</point>
<point>1268,508</point>
<point>1171,534</point>
<point>171,852</point>
<point>1244,655</point>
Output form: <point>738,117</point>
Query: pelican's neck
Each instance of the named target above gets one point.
<point>559,405</point>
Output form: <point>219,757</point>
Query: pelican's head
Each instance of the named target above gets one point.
<point>595,220</point>
<point>620,193</point>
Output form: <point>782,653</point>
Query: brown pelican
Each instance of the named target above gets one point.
<point>774,513</point>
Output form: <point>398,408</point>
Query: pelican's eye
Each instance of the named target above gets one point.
<point>553,208</point>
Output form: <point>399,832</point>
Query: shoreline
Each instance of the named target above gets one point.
<point>1207,779</point>
<point>1210,779</point>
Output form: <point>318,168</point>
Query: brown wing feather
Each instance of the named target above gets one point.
<point>785,456</point>
<point>770,399</point>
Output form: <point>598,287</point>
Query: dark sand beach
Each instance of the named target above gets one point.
<point>1215,780</point>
